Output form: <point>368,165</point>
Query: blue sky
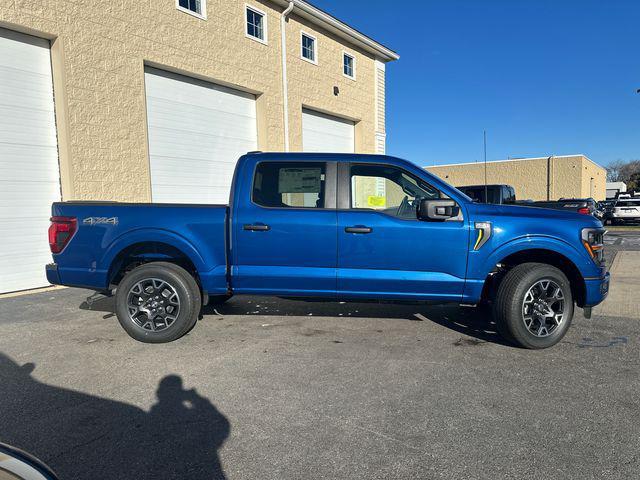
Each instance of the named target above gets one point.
<point>542,77</point>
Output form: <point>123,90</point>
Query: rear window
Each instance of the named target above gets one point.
<point>289,185</point>
<point>628,203</point>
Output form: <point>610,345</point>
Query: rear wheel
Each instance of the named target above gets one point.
<point>534,305</point>
<point>157,302</point>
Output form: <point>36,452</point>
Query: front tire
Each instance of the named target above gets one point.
<point>534,305</point>
<point>158,302</point>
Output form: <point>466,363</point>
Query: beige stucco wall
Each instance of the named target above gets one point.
<point>100,48</point>
<point>570,176</point>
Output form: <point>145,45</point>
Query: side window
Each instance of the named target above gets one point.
<point>389,189</point>
<point>289,185</point>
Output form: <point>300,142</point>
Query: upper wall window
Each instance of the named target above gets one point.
<point>309,50</point>
<point>349,65</point>
<point>197,8</point>
<point>256,21</point>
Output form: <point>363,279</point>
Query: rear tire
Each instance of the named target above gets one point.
<point>158,302</point>
<point>534,305</point>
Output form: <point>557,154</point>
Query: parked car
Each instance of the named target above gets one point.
<point>606,207</point>
<point>320,225</point>
<point>626,209</point>
<point>585,206</point>
<point>497,194</point>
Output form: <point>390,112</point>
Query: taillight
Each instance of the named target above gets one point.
<point>584,211</point>
<point>60,232</point>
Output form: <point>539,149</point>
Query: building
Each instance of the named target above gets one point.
<point>154,100</point>
<point>614,188</point>
<point>567,176</point>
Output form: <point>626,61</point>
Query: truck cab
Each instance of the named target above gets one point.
<point>333,226</point>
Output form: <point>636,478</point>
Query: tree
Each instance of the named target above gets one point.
<point>613,171</point>
<point>633,184</point>
<point>620,171</point>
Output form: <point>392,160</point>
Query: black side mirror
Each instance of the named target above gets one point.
<point>437,210</point>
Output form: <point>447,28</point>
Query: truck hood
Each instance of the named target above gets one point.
<point>531,215</point>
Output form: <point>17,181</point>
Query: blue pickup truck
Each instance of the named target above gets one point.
<point>335,226</point>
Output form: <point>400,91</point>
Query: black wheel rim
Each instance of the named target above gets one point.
<point>543,308</point>
<point>153,304</point>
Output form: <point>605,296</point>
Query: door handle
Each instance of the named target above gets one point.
<point>257,227</point>
<point>358,229</point>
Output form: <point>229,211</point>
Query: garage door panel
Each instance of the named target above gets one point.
<point>326,133</point>
<point>192,119</point>
<point>28,127</point>
<point>197,131</point>
<point>20,163</point>
<point>29,174</point>
<point>191,91</point>
<point>25,52</point>
<point>25,89</point>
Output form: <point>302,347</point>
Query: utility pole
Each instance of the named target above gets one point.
<point>486,188</point>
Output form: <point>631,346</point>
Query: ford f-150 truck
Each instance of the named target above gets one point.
<point>335,226</point>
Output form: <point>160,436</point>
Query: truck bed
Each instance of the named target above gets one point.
<point>109,233</point>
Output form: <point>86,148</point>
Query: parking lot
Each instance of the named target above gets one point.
<point>273,389</point>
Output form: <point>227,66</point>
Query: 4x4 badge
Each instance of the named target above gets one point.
<point>100,221</point>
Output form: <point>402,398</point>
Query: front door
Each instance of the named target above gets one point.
<point>384,251</point>
<point>284,235</point>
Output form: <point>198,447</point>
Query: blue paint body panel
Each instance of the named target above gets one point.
<point>306,251</point>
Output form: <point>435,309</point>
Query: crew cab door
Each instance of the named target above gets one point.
<point>284,229</point>
<point>384,251</point>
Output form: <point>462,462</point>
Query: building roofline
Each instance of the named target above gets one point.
<point>339,28</point>
<point>516,160</point>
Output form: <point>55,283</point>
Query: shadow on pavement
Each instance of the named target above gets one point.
<point>81,436</point>
<point>474,322</point>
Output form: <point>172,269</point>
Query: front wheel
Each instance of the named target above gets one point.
<point>534,305</point>
<point>158,302</point>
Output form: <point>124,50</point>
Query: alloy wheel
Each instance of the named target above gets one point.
<point>543,308</point>
<point>153,304</point>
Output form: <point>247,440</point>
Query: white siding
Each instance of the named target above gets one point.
<point>29,174</point>
<point>197,132</point>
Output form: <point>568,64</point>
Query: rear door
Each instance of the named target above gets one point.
<point>284,229</point>
<point>384,251</point>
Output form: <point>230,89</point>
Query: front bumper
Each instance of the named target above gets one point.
<point>597,290</point>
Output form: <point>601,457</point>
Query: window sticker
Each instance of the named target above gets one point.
<point>375,201</point>
<point>299,180</point>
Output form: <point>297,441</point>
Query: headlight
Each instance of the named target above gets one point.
<point>593,242</point>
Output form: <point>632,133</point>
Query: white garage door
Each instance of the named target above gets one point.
<point>29,175</point>
<point>326,133</point>
<point>197,132</point>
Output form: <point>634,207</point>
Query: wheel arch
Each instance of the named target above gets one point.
<point>141,252</point>
<point>537,255</point>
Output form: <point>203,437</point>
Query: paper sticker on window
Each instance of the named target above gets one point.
<point>374,201</point>
<point>299,180</point>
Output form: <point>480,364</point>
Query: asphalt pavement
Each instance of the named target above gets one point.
<point>272,389</point>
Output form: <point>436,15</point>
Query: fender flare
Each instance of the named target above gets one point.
<point>156,235</point>
<point>530,242</point>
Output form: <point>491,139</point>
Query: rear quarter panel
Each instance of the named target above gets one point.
<point>198,231</point>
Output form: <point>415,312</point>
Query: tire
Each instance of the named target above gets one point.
<point>173,287</point>
<point>526,320</point>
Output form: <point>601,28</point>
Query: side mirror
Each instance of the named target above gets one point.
<point>437,210</point>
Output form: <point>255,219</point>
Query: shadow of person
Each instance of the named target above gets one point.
<point>191,421</point>
<point>81,436</point>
